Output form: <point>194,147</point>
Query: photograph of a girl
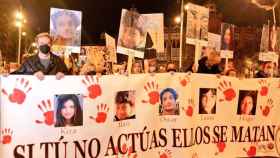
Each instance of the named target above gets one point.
<point>247,102</point>
<point>207,100</point>
<point>65,26</point>
<point>168,104</point>
<point>227,37</point>
<point>68,110</point>
<point>132,35</point>
<point>125,105</point>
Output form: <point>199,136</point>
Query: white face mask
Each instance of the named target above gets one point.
<point>152,68</point>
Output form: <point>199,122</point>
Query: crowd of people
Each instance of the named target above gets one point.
<point>46,63</point>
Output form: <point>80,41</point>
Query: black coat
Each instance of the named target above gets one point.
<point>202,68</point>
<point>33,65</point>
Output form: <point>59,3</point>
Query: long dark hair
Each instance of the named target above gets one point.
<point>77,119</point>
<point>202,92</point>
<point>225,46</point>
<point>242,95</point>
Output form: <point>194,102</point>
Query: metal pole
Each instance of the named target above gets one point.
<point>182,34</point>
<point>19,44</point>
<point>274,17</point>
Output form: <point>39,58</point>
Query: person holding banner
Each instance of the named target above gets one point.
<point>168,105</point>
<point>68,111</point>
<point>45,62</point>
<point>210,64</point>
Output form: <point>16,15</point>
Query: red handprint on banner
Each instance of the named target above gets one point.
<point>152,90</point>
<point>189,109</point>
<point>46,109</point>
<point>93,87</point>
<point>165,154</point>
<point>101,117</point>
<point>221,147</point>
<point>19,92</point>
<point>251,152</point>
<point>266,108</point>
<point>127,152</point>
<point>184,81</point>
<point>228,91</point>
<point>264,87</point>
<point>6,136</point>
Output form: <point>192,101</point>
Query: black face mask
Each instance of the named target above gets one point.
<point>45,48</point>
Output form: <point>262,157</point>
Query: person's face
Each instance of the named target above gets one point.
<point>168,101</point>
<point>232,74</point>
<point>227,36</point>
<point>247,105</point>
<point>136,68</point>
<point>121,111</point>
<point>131,37</point>
<point>269,68</point>
<point>171,67</point>
<point>68,110</point>
<point>152,65</point>
<point>213,59</point>
<point>230,65</point>
<point>43,40</point>
<point>65,26</point>
<point>208,101</point>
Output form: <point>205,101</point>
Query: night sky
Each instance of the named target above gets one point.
<point>104,15</point>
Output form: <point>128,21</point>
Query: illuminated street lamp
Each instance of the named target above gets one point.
<point>186,7</point>
<point>19,24</point>
<point>177,19</point>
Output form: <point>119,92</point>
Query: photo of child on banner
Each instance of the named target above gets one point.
<point>247,102</point>
<point>207,100</point>
<point>68,110</point>
<point>65,29</point>
<point>125,105</point>
<point>168,102</point>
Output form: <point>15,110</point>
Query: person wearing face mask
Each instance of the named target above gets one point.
<point>171,67</point>
<point>45,62</point>
<point>267,70</point>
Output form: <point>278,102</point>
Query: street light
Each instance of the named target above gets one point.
<point>19,24</point>
<point>19,15</point>
<point>177,19</point>
<point>186,7</point>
